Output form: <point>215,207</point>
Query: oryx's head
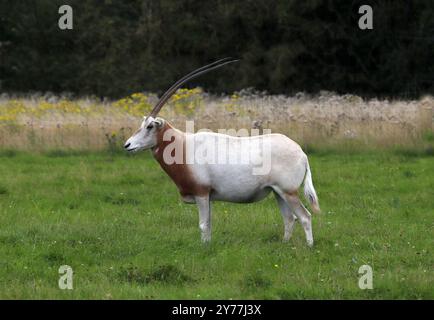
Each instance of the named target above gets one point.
<point>146,136</point>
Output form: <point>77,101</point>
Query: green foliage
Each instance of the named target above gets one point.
<point>118,221</point>
<point>119,47</point>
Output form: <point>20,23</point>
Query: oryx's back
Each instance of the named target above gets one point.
<point>243,169</point>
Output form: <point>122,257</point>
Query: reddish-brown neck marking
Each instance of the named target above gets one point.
<point>180,173</point>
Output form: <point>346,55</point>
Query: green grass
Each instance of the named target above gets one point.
<point>117,220</point>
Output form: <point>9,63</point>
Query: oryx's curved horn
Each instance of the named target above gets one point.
<point>166,96</point>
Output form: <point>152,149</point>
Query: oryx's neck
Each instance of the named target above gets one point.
<point>165,136</point>
<point>180,172</point>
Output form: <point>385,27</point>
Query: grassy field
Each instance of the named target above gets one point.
<point>118,221</point>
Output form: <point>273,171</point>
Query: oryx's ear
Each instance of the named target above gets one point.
<point>159,122</point>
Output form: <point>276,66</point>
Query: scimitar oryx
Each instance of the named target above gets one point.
<point>201,182</point>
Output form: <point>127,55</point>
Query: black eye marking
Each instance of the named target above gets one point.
<point>150,126</point>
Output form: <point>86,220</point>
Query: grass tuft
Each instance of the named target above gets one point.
<point>256,281</point>
<point>166,274</point>
<point>3,190</point>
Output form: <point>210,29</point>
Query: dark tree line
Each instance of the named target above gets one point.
<point>118,47</point>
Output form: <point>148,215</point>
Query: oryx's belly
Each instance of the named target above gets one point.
<point>240,196</point>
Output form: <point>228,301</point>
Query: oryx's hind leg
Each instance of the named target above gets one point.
<point>204,207</point>
<point>288,217</point>
<point>302,214</point>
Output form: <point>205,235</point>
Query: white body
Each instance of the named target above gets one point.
<point>235,182</point>
<point>201,182</point>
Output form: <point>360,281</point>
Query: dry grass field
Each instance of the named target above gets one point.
<point>46,122</point>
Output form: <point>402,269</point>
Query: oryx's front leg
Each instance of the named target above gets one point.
<point>204,207</point>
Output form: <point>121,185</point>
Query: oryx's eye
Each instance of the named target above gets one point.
<point>150,126</point>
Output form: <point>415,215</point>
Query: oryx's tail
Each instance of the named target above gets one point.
<point>309,190</point>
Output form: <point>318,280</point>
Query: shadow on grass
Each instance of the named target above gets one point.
<point>54,258</point>
<point>3,190</point>
<point>415,153</point>
<point>167,274</point>
<point>255,281</point>
<point>8,153</point>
